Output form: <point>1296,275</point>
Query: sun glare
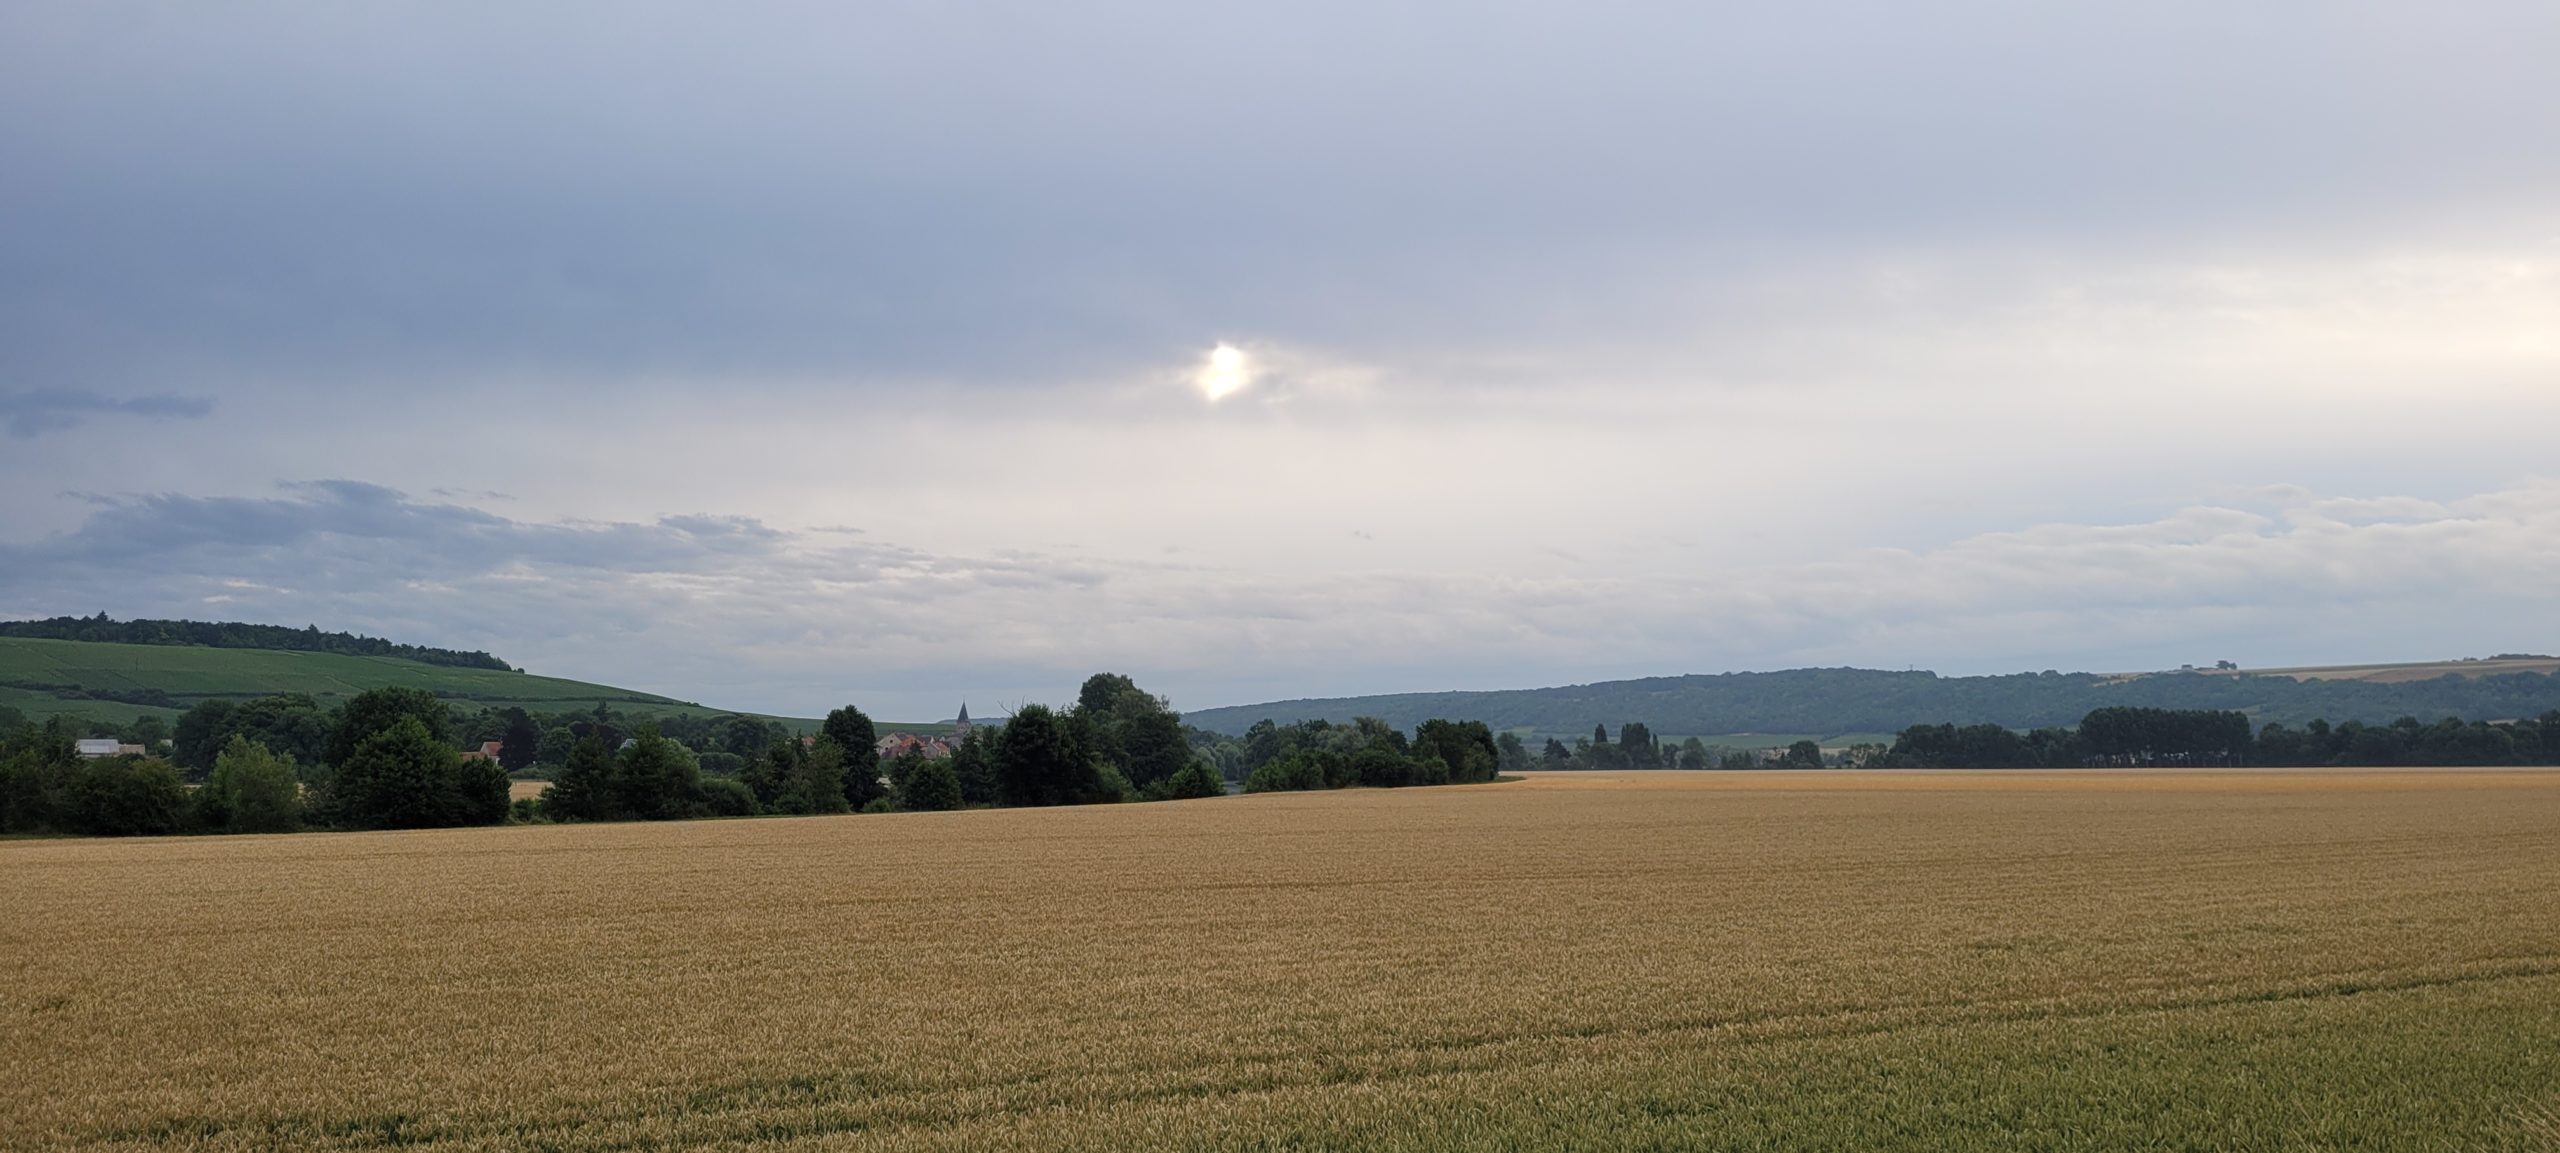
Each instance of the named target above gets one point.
<point>1226,371</point>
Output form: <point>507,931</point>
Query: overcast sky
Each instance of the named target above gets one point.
<point>777,355</point>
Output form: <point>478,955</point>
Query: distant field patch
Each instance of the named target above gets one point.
<point>1752,960</point>
<point>2403,673</point>
<point>105,681</point>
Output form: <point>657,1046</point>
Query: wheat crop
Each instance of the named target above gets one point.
<point>1845,961</point>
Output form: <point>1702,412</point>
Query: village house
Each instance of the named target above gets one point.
<point>105,747</point>
<point>896,745</point>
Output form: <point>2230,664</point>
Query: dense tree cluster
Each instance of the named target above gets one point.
<point>2116,736</point>
<point>2408,741</point>
<point>2174,737</point>
<point>1636,747</point>
<point>233,635</point>
<point>1366,752</point>
<point>405,758</point>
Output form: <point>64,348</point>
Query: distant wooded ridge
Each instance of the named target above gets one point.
<point>237,635</point>
<point>1826,702</point>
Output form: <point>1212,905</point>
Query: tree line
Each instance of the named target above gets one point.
<point>2116,736</point>
<point>1367,752</point>
<point>404,758</point>
<point>1636,747</point>
<point>234,635</point>
<point>2140,737</point>
<point>1842,700</point>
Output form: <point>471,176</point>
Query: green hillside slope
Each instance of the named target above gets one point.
<point>118,682</point>
<point>1826,702</point>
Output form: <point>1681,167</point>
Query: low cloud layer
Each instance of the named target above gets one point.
<point>1626,338</point>
<point>34,413</point>
<point>740,614</point>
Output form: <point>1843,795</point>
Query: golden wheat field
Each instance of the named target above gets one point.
<point>1841,961</point>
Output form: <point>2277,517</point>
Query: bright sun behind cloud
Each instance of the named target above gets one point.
<point>1226,370</point>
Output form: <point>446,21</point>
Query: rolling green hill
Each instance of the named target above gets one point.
<point>119,682</point>
<point>1827,703</point>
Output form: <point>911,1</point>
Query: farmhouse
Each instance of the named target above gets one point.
<point>105,747</point>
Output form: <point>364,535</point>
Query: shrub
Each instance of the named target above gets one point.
<point>251,791</point>
<point>1196,779</point>
<point>1380,767</point>
<point>727,796</point>
<point>404,778</point>
<point>930,787</point>
<point>126,797</point>
<point>1296,772</point>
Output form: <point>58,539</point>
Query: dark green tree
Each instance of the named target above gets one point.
<point>579,790</point>
<point>1299,771</point>
<point>376,711</point>
<point>1152,747</point>
<point>521,745</point>
<point>1380,767</point>
<point>36,777</point>
<point>251,790</point>
<point>149,731</point>
<point>1101,692</point>
<point>291,725</point>
<point>817,780</point>
<point>771,771</point>
<point>899,769</point>
<point>552,751</point>
<point>747,737</point>
<point>727,796</point>
<point>653,780</point>
<point>201,734</point>
<point>1263,744</point>
<point>858,747</point>
<point>1466,747</point>
<point>404,777</point>
<point>126,797</point>
<point>974,764</point>
<point>930,787</point>
<point>1039,761</point>
<point>1197,779</point>
<point>1637,748</point>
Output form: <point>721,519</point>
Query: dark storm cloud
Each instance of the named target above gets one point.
<point>36,412</point>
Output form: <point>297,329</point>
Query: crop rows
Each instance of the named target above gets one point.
<point>1744,961</point>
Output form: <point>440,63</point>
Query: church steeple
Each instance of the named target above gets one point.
<point>963,724</point>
